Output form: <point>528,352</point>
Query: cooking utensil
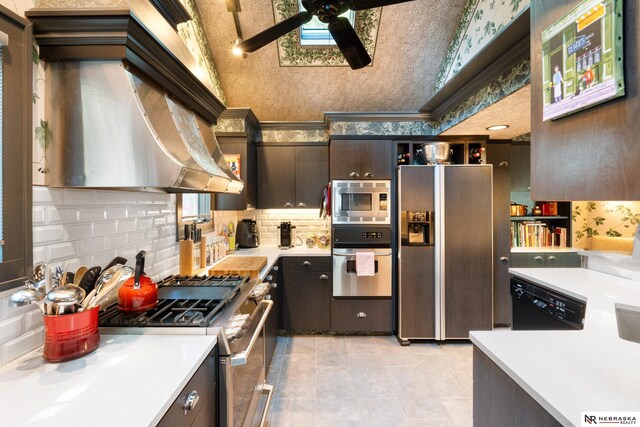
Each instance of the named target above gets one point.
<point>435,152</point>
<point>86,300</point>
<point>78,274</point>
<point>138,293</point>
<point>27,296</point>
<point>39,272</point>
<point>63,297</point>
<point>89,279</point>
<point>105,277</point>
<point>107,291</point>
<point>117,260</point>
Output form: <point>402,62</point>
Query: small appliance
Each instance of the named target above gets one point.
<point>287,235</point>
<point>247,234</point>
<point>361,202</point>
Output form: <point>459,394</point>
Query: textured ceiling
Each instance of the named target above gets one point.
<point>412,41</point>
<point>513,110</point>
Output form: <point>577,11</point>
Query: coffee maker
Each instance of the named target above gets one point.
<point>286,235</point>
<point>417,228</point>
<point>247,234</point>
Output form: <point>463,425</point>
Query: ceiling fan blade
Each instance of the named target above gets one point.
<point>349,43</point>
<point>370,4</point>
<point>267,36</point>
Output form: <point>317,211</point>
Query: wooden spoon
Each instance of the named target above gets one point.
<point>79,273</point>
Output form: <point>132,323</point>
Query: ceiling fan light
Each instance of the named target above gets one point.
<point>498,127</point>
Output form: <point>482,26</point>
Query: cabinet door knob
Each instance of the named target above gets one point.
<point>307,263</point>
<point>354,175</point>
<point>274,285</point>
<point>288,205</point>
<point>191,401</point>
<point>551,258</point>
<point>324,277</point>
<point>275,268</point>
<point>368,175</point>
<point>361,315</point>
<point>269,277</point>
<point>302,205</point>
<point>504,259</point>
<point>538,258</point>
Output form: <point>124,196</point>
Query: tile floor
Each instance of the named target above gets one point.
<point>370,381</point>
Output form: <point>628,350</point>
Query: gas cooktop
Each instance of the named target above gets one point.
<point>182,301</point>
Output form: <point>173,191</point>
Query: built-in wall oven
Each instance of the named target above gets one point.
<point>361,202</point>
<point>348,244</point>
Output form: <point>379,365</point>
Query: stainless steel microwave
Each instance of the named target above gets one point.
<point>365,202</point>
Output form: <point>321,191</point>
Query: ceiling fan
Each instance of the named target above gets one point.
<point>327,11</point>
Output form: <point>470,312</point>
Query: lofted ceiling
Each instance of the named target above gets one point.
<point>412,41</point>
<point>513,110</point>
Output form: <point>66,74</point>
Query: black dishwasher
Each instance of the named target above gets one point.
<point>537,308</point>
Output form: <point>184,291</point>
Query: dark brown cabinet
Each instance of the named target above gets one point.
<point>361,159</point>
<point>361,315</point>
<point>546,260</point>
<point>307,289</point>
<point>292,177</point>
<point>204,410</point>
<point>248,197</point>
<point>274,321</point>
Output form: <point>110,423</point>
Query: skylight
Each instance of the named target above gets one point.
<point>316,33</point>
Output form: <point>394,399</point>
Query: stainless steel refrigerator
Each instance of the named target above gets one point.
<point>445,251</point>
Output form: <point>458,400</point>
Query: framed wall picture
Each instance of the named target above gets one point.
<point>582,58</point>
<point>233,160</point>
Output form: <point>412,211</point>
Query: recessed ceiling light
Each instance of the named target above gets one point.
<point>236,49</point>
<point>498,127</point>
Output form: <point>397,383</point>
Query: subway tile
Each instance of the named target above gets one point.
<point>136,211</point>
<point>92,214</point>
<point>116,241</point>
<point>152,234</point>
<point>136,238</point>
<point>62,251</point>
<point>47,234</point>
<point>78,231</point>
<point>116,212</point>
<point>96,244</point>
<point>23,344</point>
<point>38,213</point>
<point>46,195</point>
<point>39,254</point>
<point>58,215</point>
<point>103,197</point>
<point>153,211</point>
<point>160,198</point>
<point>103,258</point>
<point>77,197</point>
<point>127,197</point>
<point>144,223</point>
<point>159,221</point>
<point>11,328</point>
<point>104,228</point>
<point>126,225</point>
<point>32,320</point>
<point>8,311</point>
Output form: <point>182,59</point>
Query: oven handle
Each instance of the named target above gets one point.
<point>269,389</point>
<point>352,252</point>
<point>242,357</point>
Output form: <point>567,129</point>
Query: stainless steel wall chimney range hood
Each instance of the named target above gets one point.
<point>125,111</point>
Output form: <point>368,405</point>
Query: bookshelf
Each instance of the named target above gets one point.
<point>542,232</point>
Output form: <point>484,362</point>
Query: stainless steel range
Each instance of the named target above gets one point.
<point>232,307</point>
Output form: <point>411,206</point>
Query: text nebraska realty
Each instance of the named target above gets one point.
<point>610,419</point>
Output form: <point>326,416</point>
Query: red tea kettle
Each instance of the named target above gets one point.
<point>139,293</point>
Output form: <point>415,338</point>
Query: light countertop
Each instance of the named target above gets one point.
<point>568,372</point>
<point>128,381</point>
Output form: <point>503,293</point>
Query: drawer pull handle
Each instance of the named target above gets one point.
<point>551,258</point>
<point>191,402</point>
<point>538,258</point>
<point>307,263</point>
<point>504,259</point>
<point>269,277</point>
<point>361,315</point>
<point>274,285</point>
<point>275,268</point>
<point>354,175</point>
<point>302,205</point>
<point>368,175</point>
<point>324,277</point>
<point>288,205</point>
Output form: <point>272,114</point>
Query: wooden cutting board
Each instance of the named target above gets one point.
<point>244,265</point>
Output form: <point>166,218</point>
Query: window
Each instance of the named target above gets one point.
<point>16,87</point>
<point>316,33</point>
<point>194,207</point>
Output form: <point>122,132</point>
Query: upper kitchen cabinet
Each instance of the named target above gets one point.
<point>236,132</point>
<point>593,154</point>
<point>361,159</point>
<point>16,252</point>
<point>292,176</point>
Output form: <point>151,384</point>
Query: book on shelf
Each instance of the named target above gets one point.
<point>537,234</point>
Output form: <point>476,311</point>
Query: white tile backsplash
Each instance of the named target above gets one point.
<point>268,220</point>
<point>90,227</point>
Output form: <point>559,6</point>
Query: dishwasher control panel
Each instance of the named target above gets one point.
<point>561,307</point>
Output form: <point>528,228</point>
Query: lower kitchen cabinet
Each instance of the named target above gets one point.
<point>546,260</point>
<point>361,315</point>
<point>307,290</point>
<point>274,321</point>
<point>202,390</point>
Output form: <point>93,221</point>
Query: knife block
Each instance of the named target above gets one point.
<point>186,257</point>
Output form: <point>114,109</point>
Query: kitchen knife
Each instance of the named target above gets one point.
<point>88,281</point>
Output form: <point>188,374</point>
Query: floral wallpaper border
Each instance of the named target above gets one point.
<point>610,219</point>
<point>481,22</point>
<point>292,54</point>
